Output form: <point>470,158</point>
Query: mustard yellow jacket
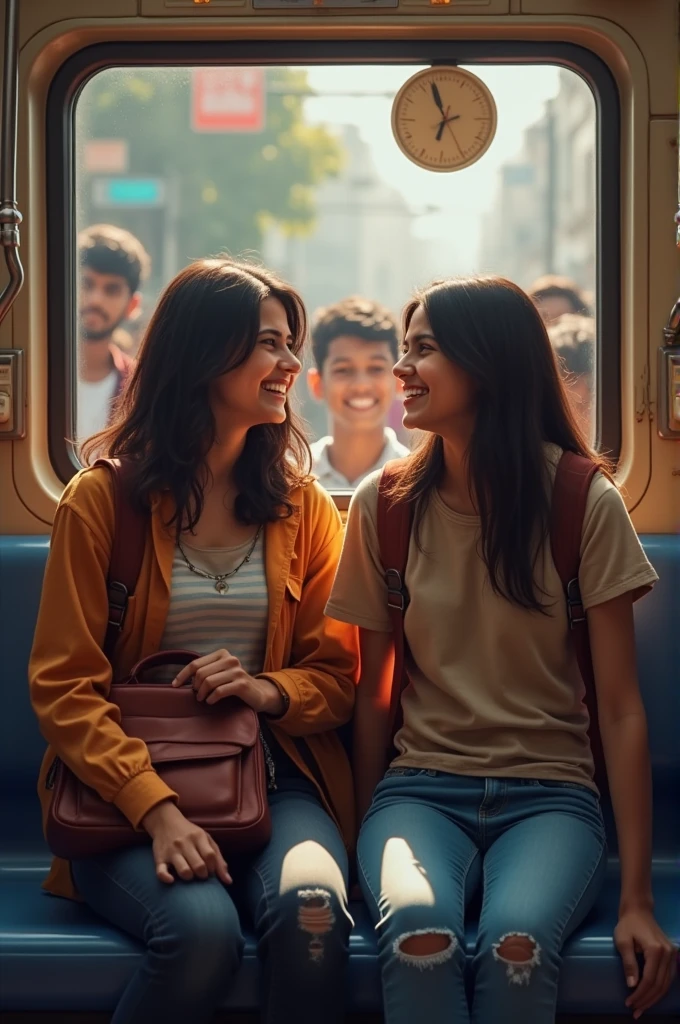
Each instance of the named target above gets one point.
<point>314,659</point>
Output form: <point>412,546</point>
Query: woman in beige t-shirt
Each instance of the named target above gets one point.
<point>493,783</point>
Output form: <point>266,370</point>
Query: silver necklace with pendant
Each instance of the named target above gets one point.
<point>220,579</point>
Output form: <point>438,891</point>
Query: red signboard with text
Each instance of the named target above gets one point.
<point>228,99</point>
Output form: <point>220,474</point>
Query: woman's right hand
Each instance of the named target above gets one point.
<point>179,844</point>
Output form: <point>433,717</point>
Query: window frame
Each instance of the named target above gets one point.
<point>60,174</point>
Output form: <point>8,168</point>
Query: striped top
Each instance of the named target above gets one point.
<point>201,620</point>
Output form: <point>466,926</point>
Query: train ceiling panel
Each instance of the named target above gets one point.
<point>653,24</point>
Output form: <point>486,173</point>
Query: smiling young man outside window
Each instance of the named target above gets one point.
<point>355,344</point>
<point>113,264</point>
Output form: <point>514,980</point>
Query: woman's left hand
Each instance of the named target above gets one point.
<point>638,932</point>
<point>220,674</point>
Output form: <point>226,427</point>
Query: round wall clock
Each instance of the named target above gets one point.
<point>444,118</point>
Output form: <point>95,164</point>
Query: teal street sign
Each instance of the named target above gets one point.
<point>128,192</point>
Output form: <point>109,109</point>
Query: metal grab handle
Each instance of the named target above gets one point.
<point>10,217</point>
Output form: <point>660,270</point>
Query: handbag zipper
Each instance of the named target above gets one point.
<point>269,761</point>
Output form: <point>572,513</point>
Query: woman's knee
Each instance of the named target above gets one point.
<point>315,920</point>
<point>419,937</point>
<point>519,952</point>
<point>196,932</point>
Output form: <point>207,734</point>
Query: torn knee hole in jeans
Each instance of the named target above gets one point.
<point>425,948</point>
<point>316,917</point>
<point>520,953</point>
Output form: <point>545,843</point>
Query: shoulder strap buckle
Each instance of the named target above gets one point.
<point>575,610</point>
<point>118,601</point>
<point>396,591</point>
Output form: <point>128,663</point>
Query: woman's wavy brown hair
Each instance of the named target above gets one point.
<point>206,323</point>
<point>490,328</point>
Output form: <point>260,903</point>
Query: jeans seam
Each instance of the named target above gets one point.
<point>466,872</point>
<point>362,869</point>
<point>265,891</point>
<point>501,806</point>
<point>589,878</point>
<point>578,787</point>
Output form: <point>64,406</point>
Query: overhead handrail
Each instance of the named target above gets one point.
<point>10,217</point>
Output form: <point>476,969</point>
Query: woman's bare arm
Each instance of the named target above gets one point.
<point>623,727</point>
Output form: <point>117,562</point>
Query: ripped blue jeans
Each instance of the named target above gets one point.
<point>294,892</point>
<point>429,841</point>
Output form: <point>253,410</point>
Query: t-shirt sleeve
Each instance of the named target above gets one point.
<point>613,561</point>
<point>359,594</point>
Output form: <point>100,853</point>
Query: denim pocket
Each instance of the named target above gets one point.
<point>553,784</point>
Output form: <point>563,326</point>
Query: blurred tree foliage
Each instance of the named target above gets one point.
<point>231,186</point>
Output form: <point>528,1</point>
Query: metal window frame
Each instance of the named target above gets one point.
<point>60,177</point>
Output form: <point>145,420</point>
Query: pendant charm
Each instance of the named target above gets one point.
<point>221,587</point>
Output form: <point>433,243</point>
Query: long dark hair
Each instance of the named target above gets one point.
<point>491,329</point>
<point>206,323</point>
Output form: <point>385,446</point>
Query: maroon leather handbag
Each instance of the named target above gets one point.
<point>210,755</point>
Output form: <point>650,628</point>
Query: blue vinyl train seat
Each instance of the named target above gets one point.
<point>57,956</point>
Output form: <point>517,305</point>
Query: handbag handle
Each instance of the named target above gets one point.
<point>159,660</point>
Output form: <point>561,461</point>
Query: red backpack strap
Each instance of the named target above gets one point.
<point>127,551</point>
<point>394,535</point>
<point>570,494</point>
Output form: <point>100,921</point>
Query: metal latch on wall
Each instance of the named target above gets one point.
<point>669,378</point>
<point>12,413</point>
<point>669,362</point>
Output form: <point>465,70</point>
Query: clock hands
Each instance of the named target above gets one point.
<point>436,96</point>
<point>444,123</point>
<point>436,140</point>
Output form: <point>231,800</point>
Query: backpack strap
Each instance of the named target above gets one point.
<point>394,534</point>
<point>570,493</point>
<point>127,551</point>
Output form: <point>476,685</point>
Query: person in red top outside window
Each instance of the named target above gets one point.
<point>113,263</point>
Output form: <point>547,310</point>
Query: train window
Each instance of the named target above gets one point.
<point>296,165</point>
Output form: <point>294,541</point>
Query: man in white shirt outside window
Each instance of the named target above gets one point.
<point>113,263</point>
<point>355,344</point>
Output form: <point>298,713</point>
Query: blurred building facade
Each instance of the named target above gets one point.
<point>362,243</point>
<point>543,216</point>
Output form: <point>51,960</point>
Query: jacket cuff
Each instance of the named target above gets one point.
<point>140,794</point>
<point>285,682</point>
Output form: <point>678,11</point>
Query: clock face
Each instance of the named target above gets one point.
<point>444,118</point>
